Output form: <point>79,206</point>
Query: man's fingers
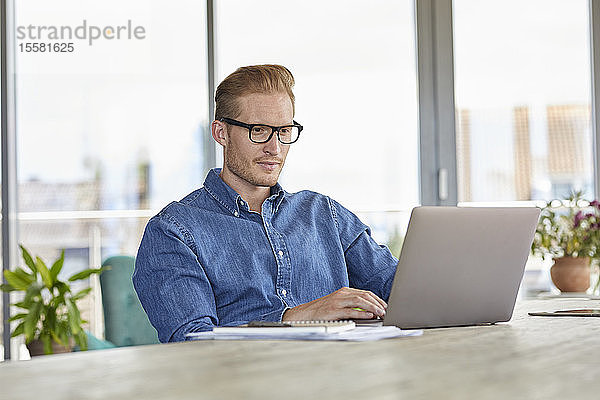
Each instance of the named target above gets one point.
<point>378,300</point>
<point>373,297</point>
<point>370,294</point>
<point>351,313</point>
<point>363,301</point>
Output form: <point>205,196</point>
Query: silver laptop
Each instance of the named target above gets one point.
<point>460,266</point>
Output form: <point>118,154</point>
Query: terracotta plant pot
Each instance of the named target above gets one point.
<point>571,274</point>
<point>36,348</point>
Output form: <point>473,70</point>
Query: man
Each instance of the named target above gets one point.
<point>241,248</point>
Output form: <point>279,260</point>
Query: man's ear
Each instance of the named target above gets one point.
<point>219,132</point>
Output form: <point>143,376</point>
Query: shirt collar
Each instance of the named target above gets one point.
<point>229,198</point>
<point>277,194</point>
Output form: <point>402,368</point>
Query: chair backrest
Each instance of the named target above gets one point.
<point>125,321</point>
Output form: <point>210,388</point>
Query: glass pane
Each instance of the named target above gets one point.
<point>112,131</point>
<point>523,105</point>
<point>2,275</point>
<point>356,96</point>
<point>522,99</point>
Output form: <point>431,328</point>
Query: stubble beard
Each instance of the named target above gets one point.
<point>243,169</point>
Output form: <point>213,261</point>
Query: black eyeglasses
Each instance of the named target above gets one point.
<point>260,133</point>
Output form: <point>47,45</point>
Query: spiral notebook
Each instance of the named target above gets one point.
<point>285,328</point>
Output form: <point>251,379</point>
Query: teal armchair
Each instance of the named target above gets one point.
<point>125,321</point>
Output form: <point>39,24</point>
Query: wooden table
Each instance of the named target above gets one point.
<point>527,358</point>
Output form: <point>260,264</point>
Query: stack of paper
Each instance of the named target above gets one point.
<point>358,334</point>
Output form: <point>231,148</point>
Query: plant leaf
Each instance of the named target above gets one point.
<point>20,272</point>
<point>49,323</point>
<point>74,317</point>
<point>57,266</point>
<point>19,330</point>
<point>17,316</point>
<point>44,272</point>
<point>32,292</point>
<point>15,280</point>
<point>50,317</point>
<point>63,333</point>
<point>32,320</point>
<point>81,294</point>
<point>21,304</point>
<point>85,273</point>
<point>62,287</point>
<point>28,259</point>
<point>57,301</point>
<point>45,338</point>
<point>7,288</point>
<point>81,340</point>
<point>56,338</point>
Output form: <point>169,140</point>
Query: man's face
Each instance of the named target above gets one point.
<point>258,164</point>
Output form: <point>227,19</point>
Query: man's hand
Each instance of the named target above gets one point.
<point>340,304</point>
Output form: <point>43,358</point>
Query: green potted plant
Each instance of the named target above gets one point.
<point>49,316</point>
<point>569,232</point>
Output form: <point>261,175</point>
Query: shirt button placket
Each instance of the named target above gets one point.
<point>280,253</point>
<point>283,267</point>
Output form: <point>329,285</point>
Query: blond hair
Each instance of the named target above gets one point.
<point>268,78</point>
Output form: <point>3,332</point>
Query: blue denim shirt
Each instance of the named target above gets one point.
<point>208,260</point>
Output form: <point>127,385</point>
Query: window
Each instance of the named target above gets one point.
<point>523,99</point>
<point>2,295</point>
<point>111,132</point>
<point>522,87</point>
<point>354,64</point>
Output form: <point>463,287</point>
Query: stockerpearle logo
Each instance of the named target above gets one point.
<point>65,38</point>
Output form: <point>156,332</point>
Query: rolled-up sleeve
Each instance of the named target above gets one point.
<point>170,281</point>
<point>371,266</point>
